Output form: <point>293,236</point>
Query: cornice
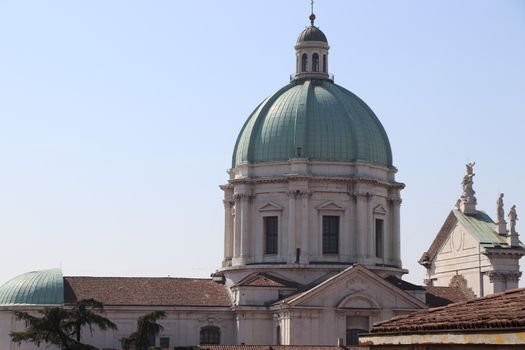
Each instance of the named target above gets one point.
<point>516,252</point>
<point>428,257</point>
<point>314,178</point>
<point>226,187</point>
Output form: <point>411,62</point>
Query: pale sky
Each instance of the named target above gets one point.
<point>118,118</point>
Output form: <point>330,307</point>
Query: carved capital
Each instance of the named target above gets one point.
<point>501,276</point>
<point>242,196</point>
<point>363,195</point>
<point>395,200</point>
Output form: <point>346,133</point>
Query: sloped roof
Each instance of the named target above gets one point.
<point>480,225</point>
<point>434,296</point>
<point>498,311</point>
<point>441,296</point>
<point>266,280</point>
<point>403,285</point>
<point>146,291</point>
<point>304,294</point>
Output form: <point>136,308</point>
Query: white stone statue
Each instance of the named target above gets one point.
<point>470,168</point>
<point>499,208</point>
<point>513,217</point>
<point>468,198</point>
<point>468,179</point>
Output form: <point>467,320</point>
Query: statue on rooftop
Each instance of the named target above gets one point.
<point>501,223</point>
<point>499,208</point>
<point>513,217</point>
<point>470,168</point>
<point>468,198</point>
<point>468,179</point>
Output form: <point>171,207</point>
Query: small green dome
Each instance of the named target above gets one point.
<point>312,33</point>
<point>313,119</point>
<point>44,287</point>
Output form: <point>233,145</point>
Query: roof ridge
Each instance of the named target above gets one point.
<point>144,277</point>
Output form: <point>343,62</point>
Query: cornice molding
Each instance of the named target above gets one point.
<point>313,178</point>
<point>428,257</point>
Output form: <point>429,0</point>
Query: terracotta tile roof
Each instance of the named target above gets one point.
<point>266,280</point>
<point>278,347</point>
<point>142,291</point>
<point>497,311</point>
<point>441,296</point>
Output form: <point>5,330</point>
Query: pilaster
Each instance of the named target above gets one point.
<point>228,232</point>
<point>395,227</point>
<point>361,221</point>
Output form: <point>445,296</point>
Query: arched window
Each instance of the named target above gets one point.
<point>304,62</point>
<point>324,63</point>
<point>315,62</point>
<point>210,335</point>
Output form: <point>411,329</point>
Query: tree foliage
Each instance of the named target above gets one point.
<point>87,313</point>
<point>147,329</point>
<point>62,326</point>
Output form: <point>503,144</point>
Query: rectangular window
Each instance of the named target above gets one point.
<point>379,238</point>
<point>164,343</point>
<point>330,234</point>
<point>270,234</point>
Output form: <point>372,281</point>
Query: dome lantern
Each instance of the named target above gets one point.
<point>311,52</point>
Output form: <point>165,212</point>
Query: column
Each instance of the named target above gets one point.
<point>361,220</point>
<point>228,232</point>
<point>291,227</point>
<point>237,228</point>
<point>370,232</point>
<point>395,242</point>
<point>304,227</point>
<point>245,228</point>
<point>345,234</point>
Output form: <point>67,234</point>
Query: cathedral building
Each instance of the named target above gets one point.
<point>311,236</point>
<point>471,251</point>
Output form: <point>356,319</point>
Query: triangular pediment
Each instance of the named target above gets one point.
<point>330,205</point>
<point>460,232</point>
<point>356,288</point>
<point>380,210</point>
<point>270,206</point>
<point>265,280</point>
<point>440,241</point>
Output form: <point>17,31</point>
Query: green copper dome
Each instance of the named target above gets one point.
<point>313,119</point>
<point>34,288</point>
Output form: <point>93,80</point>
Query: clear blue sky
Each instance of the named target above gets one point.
<point>118,118</point>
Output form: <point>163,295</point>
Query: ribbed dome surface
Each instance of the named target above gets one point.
<point>44,287</point>
<point>312,33</point>
<point>313,119</point>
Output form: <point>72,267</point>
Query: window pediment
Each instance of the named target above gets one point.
<point>380,210</point>
<point>271,206</point>
<point>330,205</point>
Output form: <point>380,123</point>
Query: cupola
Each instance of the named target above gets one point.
<point>311,52</point>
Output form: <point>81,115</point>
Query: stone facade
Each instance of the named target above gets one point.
<point>472,251</point>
